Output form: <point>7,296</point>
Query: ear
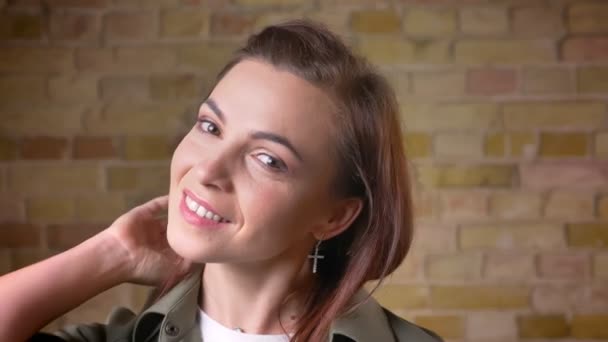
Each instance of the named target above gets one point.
<point>341,217</point>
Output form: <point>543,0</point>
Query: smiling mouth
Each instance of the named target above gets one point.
<point>203,212</point>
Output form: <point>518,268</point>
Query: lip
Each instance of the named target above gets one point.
<point>193,218</point>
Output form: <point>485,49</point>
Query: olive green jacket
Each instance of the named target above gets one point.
<point>174,317</point>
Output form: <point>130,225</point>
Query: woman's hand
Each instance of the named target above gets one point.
<point>141,232</point>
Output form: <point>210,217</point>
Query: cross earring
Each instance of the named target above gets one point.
<point>316,257</point>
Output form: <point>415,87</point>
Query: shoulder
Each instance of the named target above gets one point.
<point>407,331</point>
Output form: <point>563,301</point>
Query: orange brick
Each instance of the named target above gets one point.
<point>44,148</point>
<point>588,235</point>
<point>75,26</point>
<point>66,236</point>
<point>537,21</point>
<point>95,148</point>
<point>479,297</point>
<point>590,326</point>
<point>19,235</point>
<point>445,326</point>
<point>503,51</point>
<point>581,49</point>
<point>509,265</point>
<point>463,205</point>
<point>564,265</point>
<point>231,23</point>
<point>542,326</point>
<point>564,144</point>
<point>375,21</point>
<point>491,81</point>
<point>129,25</point>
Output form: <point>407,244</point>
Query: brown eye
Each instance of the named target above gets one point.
<point>271,162</point>
<point>209,127</point>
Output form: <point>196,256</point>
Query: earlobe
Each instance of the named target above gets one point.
<point>344,214</point>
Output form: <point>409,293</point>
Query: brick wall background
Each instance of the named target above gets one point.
<point>504,108</point>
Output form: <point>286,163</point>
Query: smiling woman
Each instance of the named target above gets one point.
<point>288,194</point>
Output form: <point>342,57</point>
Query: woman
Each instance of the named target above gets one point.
<point>289,193</point>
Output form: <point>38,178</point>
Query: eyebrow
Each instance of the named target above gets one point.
<point>215,108</point>
<point>277,139</point>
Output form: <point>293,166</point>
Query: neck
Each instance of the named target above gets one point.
<point>251,296</point>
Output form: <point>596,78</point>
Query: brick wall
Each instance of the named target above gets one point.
<point>504,108</point>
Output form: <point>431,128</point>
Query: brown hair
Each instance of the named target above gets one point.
<point>371,162</point>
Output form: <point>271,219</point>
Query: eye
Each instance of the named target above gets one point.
<point>271,162</point>
<point>209,127</point>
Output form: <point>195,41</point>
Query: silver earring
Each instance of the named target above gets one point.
<point>315,257</point>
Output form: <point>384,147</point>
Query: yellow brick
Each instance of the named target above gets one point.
<point>101,207</point>
<point>547,326</point>
<point>387,50</point>
<point>417,145</point>
<point>440,84</point>
<point>454,266</point>
<point>600,266</point>
<point>491,326</point>
<point>563,144</point>
<point>538,21</point>
<point>494,145</point>
<point>601,144</point>
<point>432,51</point>
<point>149,178</point>
<point>458,145</point>
<point>58,178</point>
<point>81,87</point>
<point>445,326</point>
<point>184,22</point>
<point>22,88</point>
<point>38,119</point>
<point>554,115</point>
<point>427,22</point>
<point>50,209</point>
<point>509,265</point>
<point>132,59</point>
<point>588,17</point>
<point>515,205</point>
<point>592,79</point>
<point>469,116</point>
<point>402,296</point>
<point>504,51</point>
<point>546,80</point>
<point>8,149</point>
<point>400,81</point>
<point>484,20</point>
<point>602,207</point>
<point>479,297</point>
<point>522,144</point>
<point>590,326</point>
<point>209,57</point>
<point>570,205</point>
<point>466,176</point>
<point>544,236</point>
<point>270,2</point>
<point>147,148</point>
<point>125,118</point>
<point>588,235</point>
<point>375,21</point>
<point>31,59</point>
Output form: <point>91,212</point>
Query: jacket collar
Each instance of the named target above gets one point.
<point>174,317</point>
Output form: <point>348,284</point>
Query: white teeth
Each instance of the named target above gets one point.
<point>202,212</point>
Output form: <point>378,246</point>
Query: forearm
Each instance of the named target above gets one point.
<point>35,295</point>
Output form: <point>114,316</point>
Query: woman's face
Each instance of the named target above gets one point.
<point>252,180</point>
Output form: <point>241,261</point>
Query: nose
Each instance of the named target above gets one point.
<point>214,170</point>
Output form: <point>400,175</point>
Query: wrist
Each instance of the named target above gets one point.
<point>113,262</point>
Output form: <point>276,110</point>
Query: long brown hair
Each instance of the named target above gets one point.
<point>371,163</point>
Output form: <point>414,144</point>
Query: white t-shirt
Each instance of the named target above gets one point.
<point>213,331</point>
